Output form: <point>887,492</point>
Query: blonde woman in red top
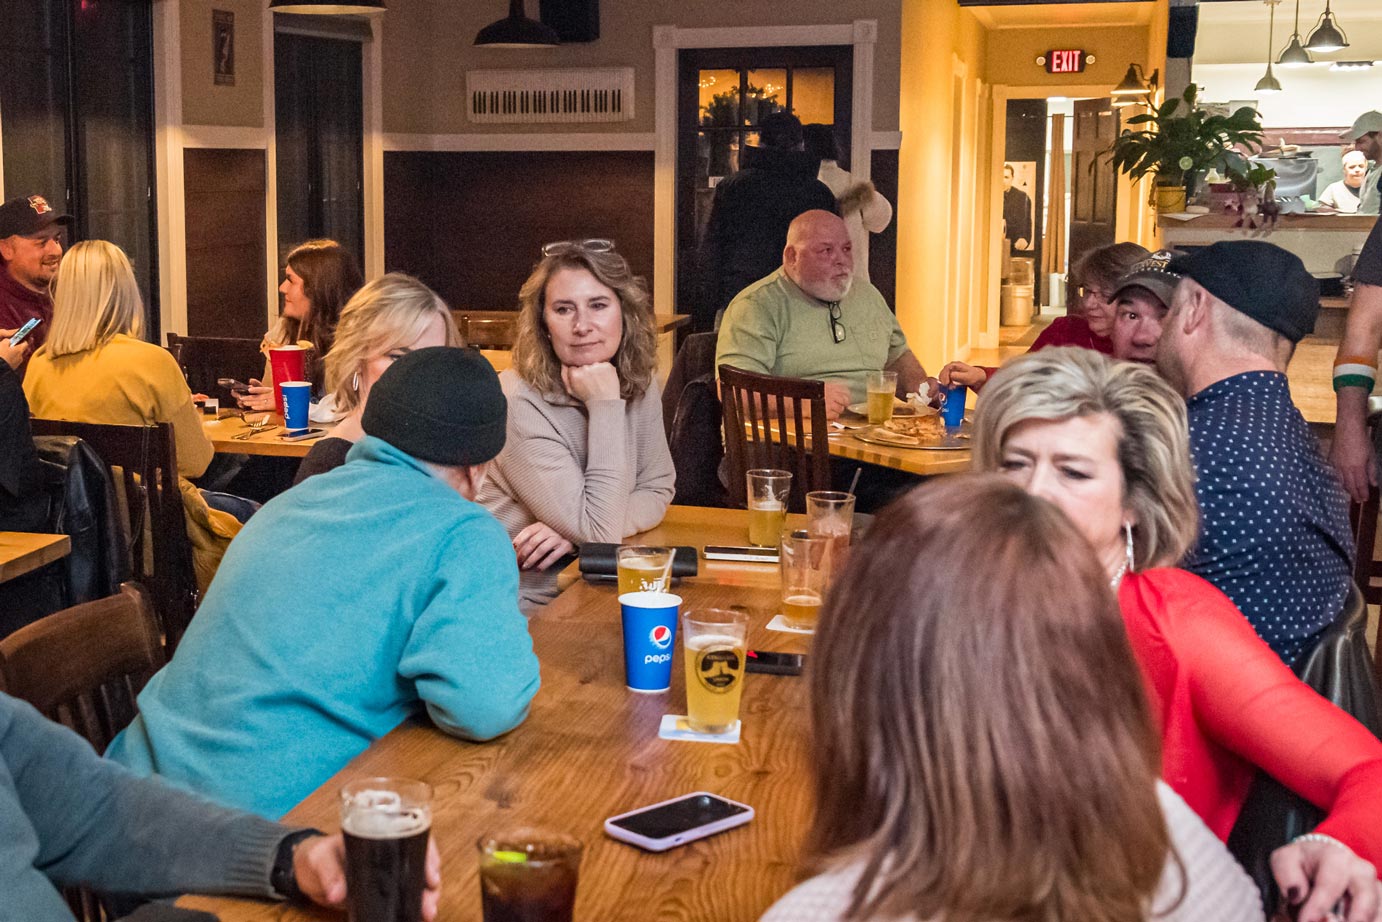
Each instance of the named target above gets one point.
<point>1108,443</point>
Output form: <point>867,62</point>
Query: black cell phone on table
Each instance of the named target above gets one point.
<point>234,386</point>
<point>744,554</point>
<point>300,435</point>
<point>25,330</point>
<point>770,662</point>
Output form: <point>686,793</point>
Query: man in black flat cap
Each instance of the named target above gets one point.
<point>1274,535</point>
<point>30,250</point>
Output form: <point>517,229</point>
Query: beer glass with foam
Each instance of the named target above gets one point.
<point>386,822</point>
<point>528,875</point>
<point>716,641</point>
<point>767,495</point>
<point>882,390</point>
<point>644,569</point>
<point>805,567</point>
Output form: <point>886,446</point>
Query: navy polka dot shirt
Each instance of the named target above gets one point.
<point>1274,534</point>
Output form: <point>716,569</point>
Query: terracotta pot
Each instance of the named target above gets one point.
<point>1169,198</point>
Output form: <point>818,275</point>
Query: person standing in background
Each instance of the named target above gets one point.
<point>863,207</point>
<point>1366,136</point>
<point>1344,196</point>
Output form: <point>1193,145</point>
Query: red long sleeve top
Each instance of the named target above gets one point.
<point>1227,705</point>
<point>1063,331</point>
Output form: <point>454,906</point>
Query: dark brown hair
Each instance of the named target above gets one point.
<point>983,746</point>
<point>330,277</point>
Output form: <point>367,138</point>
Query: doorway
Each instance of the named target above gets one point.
<point>722,93</point>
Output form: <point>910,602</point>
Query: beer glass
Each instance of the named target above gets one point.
<point>528,875</point>
<point>715,640</point>
<point>386,823</point>
<point>644,569</point>
<point>830,514</point>
<point>768,490</point>
<point>882,390</point>
<point>805,567</point>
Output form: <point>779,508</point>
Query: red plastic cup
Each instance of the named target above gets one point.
<point>286,363</point>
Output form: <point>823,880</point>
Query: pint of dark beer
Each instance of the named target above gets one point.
<point>386,822</point>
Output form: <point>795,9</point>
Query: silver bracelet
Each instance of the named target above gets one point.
<point>1321,838</point>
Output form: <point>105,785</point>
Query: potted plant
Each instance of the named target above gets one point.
<point>1179,139</point>
<point>1256,188</point>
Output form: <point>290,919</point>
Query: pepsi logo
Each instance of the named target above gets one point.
<point>661,636</point>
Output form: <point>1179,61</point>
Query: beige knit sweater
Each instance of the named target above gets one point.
<point>597,472</point>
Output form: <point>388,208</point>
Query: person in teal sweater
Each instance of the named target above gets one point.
<point>350,603</point>
<point>70,817</point>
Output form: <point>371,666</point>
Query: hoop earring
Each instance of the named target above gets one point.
<point>355,382</point>
<point>1127,531</point>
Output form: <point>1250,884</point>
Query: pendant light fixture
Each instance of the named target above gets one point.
<point>517,31</point>
<point>1135,90</point>
<point>1269,83</point>
<point>328,7</point>
<point>1294,54</point>
<point>1327,36</point>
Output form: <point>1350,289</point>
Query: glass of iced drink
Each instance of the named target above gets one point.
<point>528,875</point>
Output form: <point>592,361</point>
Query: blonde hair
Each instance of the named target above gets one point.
<point>636,358</point>
<point>95,298</point>
<point>1153,442</point>
<point>983,747</point>
<point>386,314</point>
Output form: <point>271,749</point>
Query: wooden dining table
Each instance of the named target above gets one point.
<point>24,552</point>
<point>225,436</point>
<point>590,749</point>
<point>845,443</point>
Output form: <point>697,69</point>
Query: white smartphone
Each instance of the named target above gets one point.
<point>24,331</point>
<point>674,822</point>
<point>299,435</point>
<point>746,554</point>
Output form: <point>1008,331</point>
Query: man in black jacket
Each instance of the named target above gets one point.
<point>747,230</point>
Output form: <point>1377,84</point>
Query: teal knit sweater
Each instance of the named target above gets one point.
<point>69,817</point>
<point>346,605</point>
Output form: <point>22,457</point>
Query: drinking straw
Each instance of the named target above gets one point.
<point>667,571</point>
<point>855,482</point>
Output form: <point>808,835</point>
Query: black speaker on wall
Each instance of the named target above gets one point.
<point>1180,36</point>
<point>573,20</point>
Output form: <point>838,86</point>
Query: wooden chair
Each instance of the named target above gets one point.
<point>765,421</point>
<point>143,461</point>
<point>206,358</point>
<point>83,667</point>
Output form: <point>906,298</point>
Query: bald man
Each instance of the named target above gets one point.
<point>812,318</point>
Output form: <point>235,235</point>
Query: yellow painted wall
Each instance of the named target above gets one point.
<point>203,102</point>
<point>943,198</point>
<point>1012,54</point>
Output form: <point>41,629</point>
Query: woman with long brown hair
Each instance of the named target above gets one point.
<point>983,747</point>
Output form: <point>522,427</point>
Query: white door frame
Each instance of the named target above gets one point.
<point>862,34</point>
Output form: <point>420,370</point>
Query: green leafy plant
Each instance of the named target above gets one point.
<point>1179,137</point>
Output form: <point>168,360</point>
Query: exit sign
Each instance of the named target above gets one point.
<point>1065,61</point>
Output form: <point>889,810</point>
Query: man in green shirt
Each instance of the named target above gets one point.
<point>812,319</point>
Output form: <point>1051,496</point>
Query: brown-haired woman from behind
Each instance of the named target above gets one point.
<point>984,751</point>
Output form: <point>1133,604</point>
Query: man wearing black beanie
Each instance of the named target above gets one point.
<point>351,602</point>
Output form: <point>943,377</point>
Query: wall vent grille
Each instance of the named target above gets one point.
<point>550,95</point>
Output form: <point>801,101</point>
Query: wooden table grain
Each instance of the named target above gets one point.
<point>589,749</point>
<point>223,432</point>
<point>23,552</point>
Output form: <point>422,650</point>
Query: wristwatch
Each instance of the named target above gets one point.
<point>282,878</point>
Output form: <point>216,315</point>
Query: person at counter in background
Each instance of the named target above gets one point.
<point>1344,196</point>
<point>1355,372</point>
<point>1366,136</point>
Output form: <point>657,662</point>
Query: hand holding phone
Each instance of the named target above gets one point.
<point>234,386</point>
<point>677,821</point>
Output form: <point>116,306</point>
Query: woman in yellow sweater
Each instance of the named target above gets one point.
<point>95,369</point>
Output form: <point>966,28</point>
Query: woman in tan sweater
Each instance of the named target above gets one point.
<point>586,458</point>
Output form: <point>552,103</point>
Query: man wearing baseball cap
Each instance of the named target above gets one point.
<point>1274,533</point>
<point>30,249</point>
<point>358,598</point>
<point>1140,303</point>
<point>1366,136</point>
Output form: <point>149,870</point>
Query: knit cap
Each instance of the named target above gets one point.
<point>441,404</point>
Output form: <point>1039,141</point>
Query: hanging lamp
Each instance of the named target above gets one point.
<point>517,31</point>
<point>1134,90</point>
<point>327,7</point>
<point>1294,54</point>
<point>1269,83</point>
<point>1327,36</point>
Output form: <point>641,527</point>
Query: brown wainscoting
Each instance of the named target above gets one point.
<point>883,245</point>
<point>471,224</point>
<point>224,192</point>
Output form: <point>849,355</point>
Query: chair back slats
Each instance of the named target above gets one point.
<point>768,423</point>
<point>85,666</point>
<point>205,358</point>
<point>143,462</point>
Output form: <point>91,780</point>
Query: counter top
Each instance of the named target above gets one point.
<point>1335,222</point>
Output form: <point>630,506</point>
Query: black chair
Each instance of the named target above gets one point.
<point>691,414</point>
<point>1340,669</point>
<point>204,359</point>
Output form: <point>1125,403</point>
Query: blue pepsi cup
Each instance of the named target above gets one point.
<point>953,410</point>
<point>650,627</point>
<point>297,398</point>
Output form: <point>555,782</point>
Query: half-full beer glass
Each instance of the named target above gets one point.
<point>528,875</point>
<point>386,822</point>
<point>767,494</point>
<point>644,569</point>
<point>716,641</point>
<point>882,391</point>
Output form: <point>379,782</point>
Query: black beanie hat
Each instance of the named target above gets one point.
<point>441,404</point>
<point>1259,279</point>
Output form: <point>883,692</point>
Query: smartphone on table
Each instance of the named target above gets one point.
<point>25,330</point>
<point>773,663</point>
<point>674,822</point>
<point>299,435</point>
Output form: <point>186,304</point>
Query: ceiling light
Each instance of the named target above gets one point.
<point>1269,83</point>
<point>517,31</point>
<point>1327,36</point>
<point>1351,65</point>
<point>327,7</point>
<point>1294,54</point>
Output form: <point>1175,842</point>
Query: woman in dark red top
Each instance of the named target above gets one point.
<point>1108,443</point>
<point>1089,325</point>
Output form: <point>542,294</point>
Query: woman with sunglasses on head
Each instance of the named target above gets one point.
<point>586,457</point>
<point>1088,324</point>
<point>385,320</point>
<point>1108,443</point>
<point>944,794</point>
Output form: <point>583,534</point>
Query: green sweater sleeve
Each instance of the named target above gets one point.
<point>73,817</point>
